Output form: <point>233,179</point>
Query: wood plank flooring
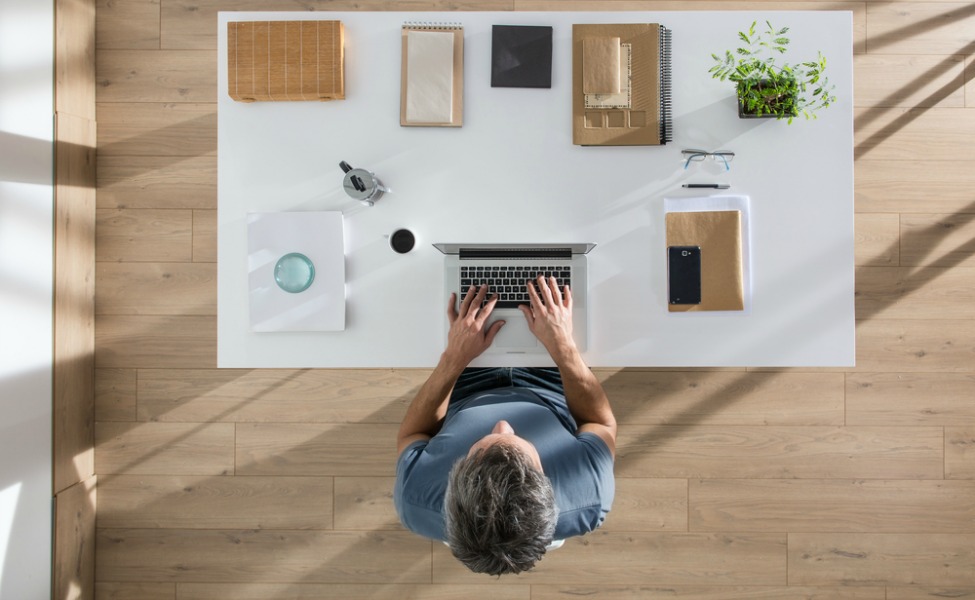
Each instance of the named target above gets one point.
<point>786,484</point>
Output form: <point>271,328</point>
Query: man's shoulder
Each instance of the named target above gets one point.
<point>418,491</point>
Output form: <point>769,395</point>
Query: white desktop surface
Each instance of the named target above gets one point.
<point>512,174</point>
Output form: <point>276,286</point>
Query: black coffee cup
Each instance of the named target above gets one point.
<point>402,241</point>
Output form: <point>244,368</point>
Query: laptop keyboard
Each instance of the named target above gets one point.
<point>508,282</point>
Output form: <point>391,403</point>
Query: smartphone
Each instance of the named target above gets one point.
<point>684,274</point>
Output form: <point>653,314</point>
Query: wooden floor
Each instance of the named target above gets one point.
<point>786,484</point>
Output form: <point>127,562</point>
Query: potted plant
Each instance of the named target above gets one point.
<point>769,89</point>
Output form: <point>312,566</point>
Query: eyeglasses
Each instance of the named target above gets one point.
<point>700,155</point>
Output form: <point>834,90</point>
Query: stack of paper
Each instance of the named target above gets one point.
<point>719,226</point>
<point>318,236</point>
<point>433,76</point>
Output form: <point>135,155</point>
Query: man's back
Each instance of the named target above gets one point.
<point>579,467</point>
<point>495,492</point>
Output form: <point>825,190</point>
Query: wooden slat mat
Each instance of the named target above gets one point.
<point>285,60</point>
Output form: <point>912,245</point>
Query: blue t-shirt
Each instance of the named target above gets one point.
<point>579,466</point>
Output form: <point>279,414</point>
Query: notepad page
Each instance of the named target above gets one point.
<point>429,76</point>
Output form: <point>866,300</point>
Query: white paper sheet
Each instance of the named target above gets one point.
<point>429,76</point>
<point>317,235</point>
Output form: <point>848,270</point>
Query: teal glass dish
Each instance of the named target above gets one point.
<point>294,272</point>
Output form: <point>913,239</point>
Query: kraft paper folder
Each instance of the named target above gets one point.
<point>285,60</point>
<point>432,84</point>
<point>719,235</point>
<point>621,85</point>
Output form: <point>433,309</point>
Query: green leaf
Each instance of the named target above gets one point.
<point>764,87</point>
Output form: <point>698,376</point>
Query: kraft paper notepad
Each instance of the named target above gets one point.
<point>621,84</point>
<point>432,76</point>
<point>718,233</point>
<point>601,65</point>
<point>285,60</point>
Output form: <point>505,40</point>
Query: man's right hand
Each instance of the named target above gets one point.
<point>469,334</point>
<point>550,316</point>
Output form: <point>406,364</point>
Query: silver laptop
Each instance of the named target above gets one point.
<point>506,268</point>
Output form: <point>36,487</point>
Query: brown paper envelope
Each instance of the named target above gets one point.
<point>601,65</point>
<point>718,233</point>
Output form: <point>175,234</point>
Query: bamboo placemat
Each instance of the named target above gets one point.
<point>285,60</point>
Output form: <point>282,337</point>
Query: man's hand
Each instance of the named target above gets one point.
<point>467,339</point>
<point>550,316</point>
<point>468,336</point>
<point>550,319</point>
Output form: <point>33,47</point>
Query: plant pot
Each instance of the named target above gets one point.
<point>775,112</point>
<point>745,115</point>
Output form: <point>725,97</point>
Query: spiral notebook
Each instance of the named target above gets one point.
<point>621,84</point>
<point>432,89</point>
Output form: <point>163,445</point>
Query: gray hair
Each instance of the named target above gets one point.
<point>499,511</point>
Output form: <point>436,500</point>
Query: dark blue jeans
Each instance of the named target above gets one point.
<point>479,379</point>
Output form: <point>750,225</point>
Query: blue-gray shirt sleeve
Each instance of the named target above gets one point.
<point>588,498</point>
<point>424,515</point>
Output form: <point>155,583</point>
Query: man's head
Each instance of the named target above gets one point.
<point>500,508</point>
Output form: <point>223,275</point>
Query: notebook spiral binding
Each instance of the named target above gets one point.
<point>432,25</point>
<point>666,109</point>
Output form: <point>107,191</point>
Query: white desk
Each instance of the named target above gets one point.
<point>511,174</point>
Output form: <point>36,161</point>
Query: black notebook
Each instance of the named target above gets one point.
<point>521,56</point>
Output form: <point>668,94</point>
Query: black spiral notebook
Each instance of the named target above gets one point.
<point>621,84</point>
<point>521,56</point>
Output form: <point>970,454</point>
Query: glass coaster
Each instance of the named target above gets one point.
<point>294,272</point>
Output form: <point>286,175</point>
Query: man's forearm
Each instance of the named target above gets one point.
<point>467,338</point>
<point>425,414</point>
<point>584,394</point>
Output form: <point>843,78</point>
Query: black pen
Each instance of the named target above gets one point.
<point>713,186</point>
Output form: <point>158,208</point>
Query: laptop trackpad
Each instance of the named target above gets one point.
<point>515,334</point>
